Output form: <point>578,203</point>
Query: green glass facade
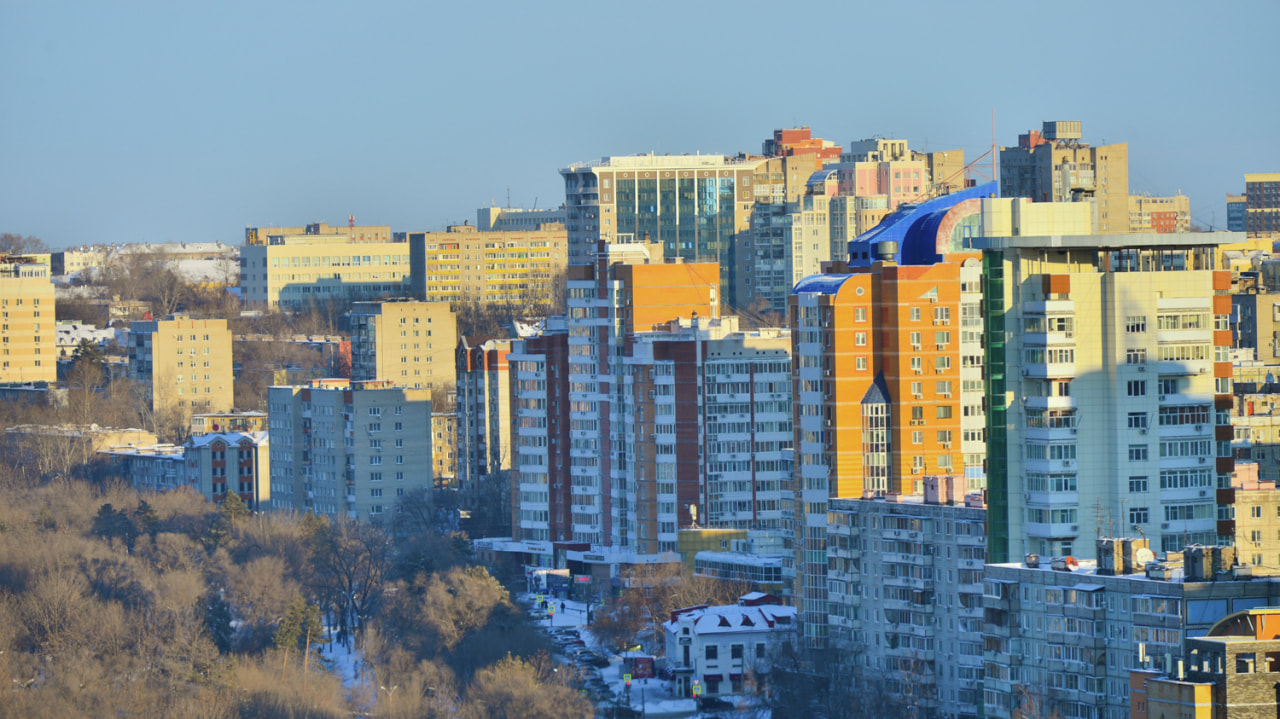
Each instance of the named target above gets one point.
<point>997,424</point>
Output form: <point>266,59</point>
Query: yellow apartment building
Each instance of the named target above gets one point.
<point>184,364</point>
<point>511,266</point>
<point>407,343</point>
<point>28,344</point>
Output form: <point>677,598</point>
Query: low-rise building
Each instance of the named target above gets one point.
<point>1066,633</point>
<point>211,464</point>
<point>228,422</point>
<point>723,648</point>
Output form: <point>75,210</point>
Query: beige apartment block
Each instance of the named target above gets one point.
<point>407,343</point>
<point>184,364</point>
<point>444,447</point>
<point>1256,504</point>
<point>1159,214</point>
<point>1054,165</point>
<point>353,448</point>
<point>506,266</point>
<point>28,348</point>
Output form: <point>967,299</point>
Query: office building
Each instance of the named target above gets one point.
<point>1109,387</point>
<point>512,267</point>
<point>407,343</point>
<point>483,410</point>
<point>1262,203</point>
<point>1161,215</point>
<point>1053,165</point>
<point>1237,211</point>
<point>348,448</point>
<point>294,266</point>
<point>1066,633</point>
<point>905,603</point>
<point>28,348</point>
<point>183,365</point>
<point>691,205</point>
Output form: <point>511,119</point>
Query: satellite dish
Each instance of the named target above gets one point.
<point>1143,557</point>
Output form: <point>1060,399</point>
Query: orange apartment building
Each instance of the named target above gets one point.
<point>877,367</point>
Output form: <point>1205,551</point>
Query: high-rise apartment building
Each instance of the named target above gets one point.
<point>183,364</point>
<point>905,600</point>
<point>28,347</point>
<point>1161,215</point>
<point>1053,165</point>
<point>1262,203</point>
<point>444,448</point>
<point>879,395</point>
<point>484,411</point>
<point>667,415</point>
<point>407,343</point>
<point>355,448</point>
<point>786,242</point>
<point>1109,390</point>
<point>798,141</point>
<point>509,266</point>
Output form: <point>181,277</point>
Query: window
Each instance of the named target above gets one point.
<point>1135,323</point>
<point>942,315</point>
<point>860,314</point>
<point>1256,512</point>
<point>1138,453</point>
<point>861,363</point>
<point>915,314</point>
<point>1138,484</point>
<point>1139,515</point>
<point>1135,356</point>
<point>944,411</point>
<point>713,652</point>
<point>1168,386</point>
<point>735,651</point>
<point>1137,420</point>
<point>1136,387</point>
<point>917,437</point>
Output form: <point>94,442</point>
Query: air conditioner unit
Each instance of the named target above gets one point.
<point>1204,460</point>
<point>1142,431</point>
<point>1075,528</point>
<point>1204,370</point>
<point>1162,398</point>
<point>1199,427</point>
<point>1165,525</point>
<point>918,396</point>
<point>946,445</point>
<point>1204,493</point>
<point>1142,368</point>
<point>1074,430</point>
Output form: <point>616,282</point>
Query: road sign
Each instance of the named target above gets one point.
<point>551,609</point>
<point>627,678</point>
<point>697,689</point>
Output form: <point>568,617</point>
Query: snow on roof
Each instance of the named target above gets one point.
<point>733,618</point>
<point>231,438</point>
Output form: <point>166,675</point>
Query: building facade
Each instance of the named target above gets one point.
<point>444,448</point>
<point>1066,635</point>
<point>1262,203</point>
<point>348,448</point>
<point>1053,165</point>
<point>295,266</point>
<point>483,411</point>
<point>183,364</point>
<point>28,347</point>
<point>1161,215</point>
<point>500,266</point>
<point>212,464</point>
<point>724,647</point>
<point>905,604</point>
<point>1118,345</point>
<point>1237,211</point>
<point>405,342</point>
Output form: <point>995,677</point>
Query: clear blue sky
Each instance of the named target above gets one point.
<point>184,121</point>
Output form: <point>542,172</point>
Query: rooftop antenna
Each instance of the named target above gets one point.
<point>508,197</point>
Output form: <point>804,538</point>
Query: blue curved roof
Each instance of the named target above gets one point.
<point>914,228</point>
<point>820,284</point>
<point>820,177</point>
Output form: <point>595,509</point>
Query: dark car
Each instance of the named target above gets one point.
<point>713,704</point>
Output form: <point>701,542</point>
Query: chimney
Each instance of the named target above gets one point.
<point>886,250</point>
